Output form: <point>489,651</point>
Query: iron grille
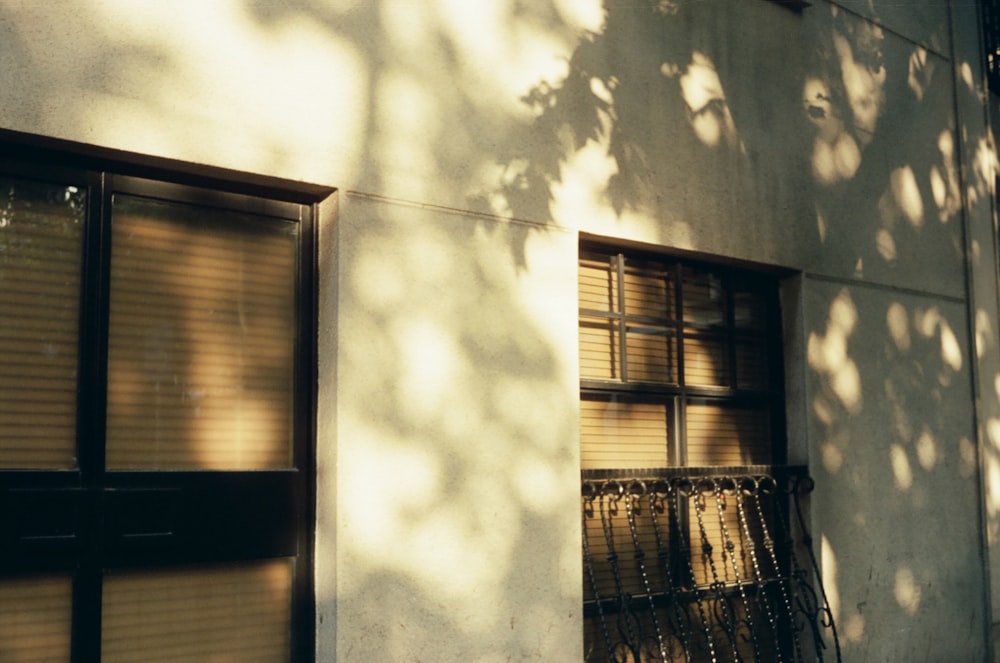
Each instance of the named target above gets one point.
<point>702,564</point>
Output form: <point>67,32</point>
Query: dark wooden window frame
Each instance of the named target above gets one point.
<point>678,394</point>
<point>681,393</point>
<point>84,521</point>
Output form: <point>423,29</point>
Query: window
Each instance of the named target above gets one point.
<point>156,412</point>
<point>990,19</point>
<point>680,354</point>
<point>689,550</point>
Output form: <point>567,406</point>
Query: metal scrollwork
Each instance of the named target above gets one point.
<point>703,567</point>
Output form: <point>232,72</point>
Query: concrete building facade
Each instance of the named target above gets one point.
<point>842,147</point>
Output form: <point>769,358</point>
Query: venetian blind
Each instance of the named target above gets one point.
<point>41,229</point>
<point>35,619</point>
<point>239,614</point>
<point>631,299</point>
<point>200,350</point>
<point>721,435</point>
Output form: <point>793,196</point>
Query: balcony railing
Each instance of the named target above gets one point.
<point>699,564</point>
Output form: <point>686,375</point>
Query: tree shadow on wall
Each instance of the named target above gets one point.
<point>696,105</point>
<point>832,139</point>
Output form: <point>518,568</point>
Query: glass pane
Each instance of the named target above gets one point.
<point>598,283</point>
<point>749,310</point>
<point>35,619</point>
<point>724,435</point>
<point>652,355</point>
<point>706,362</point>
<point>622,434</point>
<point>599,349</point>
<point>751,364</point>
<point>704,299</point>
<point>41,230</point>
<point>649,290</point>
<point>201,340</point>
<point>236,614</point>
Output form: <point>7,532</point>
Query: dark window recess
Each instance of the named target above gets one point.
<point>694,538</point>
<point>795,5</point>
<point>156,411</point>
<point>990,13</point>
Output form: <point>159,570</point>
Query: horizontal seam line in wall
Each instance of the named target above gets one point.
<point>887,28</point>
<point>457,211</point>
<point>885,286</point>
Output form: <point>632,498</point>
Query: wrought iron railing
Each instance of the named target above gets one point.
<point>702,565</point>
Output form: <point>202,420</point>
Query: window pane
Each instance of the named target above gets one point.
<point>751,364</point>
<point>599,349</point>
<point>704,299</point>
<point>41,230</point>
<point>200,357</point>
<point>749,310</point>
<point>598,283</point>
<point>726,435</point>
<point>35,619</point>
<point>706,362</point>
<point>617,434</point>
<point>227,614</point>
<point>649,290</point>
<point>652,355</point>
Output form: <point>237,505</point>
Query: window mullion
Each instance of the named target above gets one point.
<point>621,312</point>
<point>92,381</point>
<point>91,405</point>
<point>680,402</point>
<point>730,332</point>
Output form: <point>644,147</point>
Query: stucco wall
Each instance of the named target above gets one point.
<point>472,142</point>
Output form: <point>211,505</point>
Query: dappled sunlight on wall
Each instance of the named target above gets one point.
<point>902,452</point>
<point>828,355</point>
<point>883,155</point>
<point>658,132</point>
<point>991,461</point>
<point>705,101</point>
<point>457,435</point>
<point>206,82</point>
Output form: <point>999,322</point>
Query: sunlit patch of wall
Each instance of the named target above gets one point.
<point>206,82</point>
<point>658,133</point>
<point>457,437</point>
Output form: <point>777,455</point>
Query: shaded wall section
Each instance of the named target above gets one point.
<point>895,462</point>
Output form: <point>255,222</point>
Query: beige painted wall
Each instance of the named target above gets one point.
<point>472,143</point>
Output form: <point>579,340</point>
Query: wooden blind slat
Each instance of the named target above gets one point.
<point>242,613</point>
<point>726,435</point>
<point>41,229</point>
<point>627,434</point>
<point>599,352</point>
<point>706,362</point>
<point>35,619</point>
<point>652,356</point>
<point>200,344</point>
